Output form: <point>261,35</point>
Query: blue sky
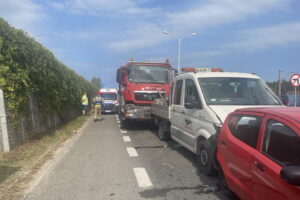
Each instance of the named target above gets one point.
<point>95,37</point>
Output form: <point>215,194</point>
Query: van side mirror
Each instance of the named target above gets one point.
<point>291,174</point>
<point>191,103</point>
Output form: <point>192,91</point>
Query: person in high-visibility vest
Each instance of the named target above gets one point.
<point>84,103</point>
<point>98,101</point>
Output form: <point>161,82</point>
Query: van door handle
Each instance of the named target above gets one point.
<point>183,112</point>
<point>259,166</point>
<point>173,110</point>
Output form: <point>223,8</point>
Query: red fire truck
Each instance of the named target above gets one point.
<point>139,84</point>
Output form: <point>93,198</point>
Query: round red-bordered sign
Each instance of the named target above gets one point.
<point>295,80</point>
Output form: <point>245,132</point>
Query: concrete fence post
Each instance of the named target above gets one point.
<point>3,123</point>
<point>32,114</point>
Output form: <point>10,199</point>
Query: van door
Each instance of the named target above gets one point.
<point>194,113</point>
<point>177,110</point>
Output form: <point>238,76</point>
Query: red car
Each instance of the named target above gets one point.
<point>258,153</point>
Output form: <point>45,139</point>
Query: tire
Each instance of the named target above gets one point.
<point>124,124</point>
<point>162,134</point>
<point>222,186</point>
<point>205,158</point>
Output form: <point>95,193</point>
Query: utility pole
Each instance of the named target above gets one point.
<point>279,82</point>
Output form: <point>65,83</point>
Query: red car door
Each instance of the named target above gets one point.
<point>279,146</point>
<point>237,144</point>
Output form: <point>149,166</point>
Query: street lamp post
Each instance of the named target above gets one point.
<point>179,46</point>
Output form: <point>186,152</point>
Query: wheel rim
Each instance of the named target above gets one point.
<point>204,157</point>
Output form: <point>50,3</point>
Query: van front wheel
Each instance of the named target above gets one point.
<point>205,158</point>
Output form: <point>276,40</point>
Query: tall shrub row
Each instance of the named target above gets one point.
<point>28,69</point>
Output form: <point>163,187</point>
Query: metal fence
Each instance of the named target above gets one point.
<point>16,131</point>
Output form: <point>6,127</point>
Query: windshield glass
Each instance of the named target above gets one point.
<point>148,74</point>
<point>236,91</point>
<point>109,96</point>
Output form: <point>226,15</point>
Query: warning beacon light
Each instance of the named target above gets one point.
<point>196,70</point>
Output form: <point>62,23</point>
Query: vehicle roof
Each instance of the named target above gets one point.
<point>148,63</point>
<point>221,74</point>
<point>292,113</point>
<point>112,90</point>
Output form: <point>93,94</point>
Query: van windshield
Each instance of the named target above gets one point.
<point>148,74</point>
<point>109,96</point>
<point>236,91</point>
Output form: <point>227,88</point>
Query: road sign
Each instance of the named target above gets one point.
<point>295,80</point>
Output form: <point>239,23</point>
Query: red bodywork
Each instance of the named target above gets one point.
<point>128,89</point>
<point>249,171</point>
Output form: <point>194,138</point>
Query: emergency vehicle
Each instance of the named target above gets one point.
<point>110,100</point>
<point>139,84</point>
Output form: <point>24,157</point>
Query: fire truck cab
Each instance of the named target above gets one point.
<point>139,84</point>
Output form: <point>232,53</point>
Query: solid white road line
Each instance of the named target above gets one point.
<point>126,139</point>
<point>142,177</point>
<point>132,152</point>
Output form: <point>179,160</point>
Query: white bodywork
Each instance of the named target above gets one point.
<point>187,125</point>
<point>114,102</point>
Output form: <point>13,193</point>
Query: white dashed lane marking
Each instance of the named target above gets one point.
<point>126,139</point>
<point>132,152</point>
<point>123,131</point>
<point>142,177</point>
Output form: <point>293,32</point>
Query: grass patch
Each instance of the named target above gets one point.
<point>18,165</point>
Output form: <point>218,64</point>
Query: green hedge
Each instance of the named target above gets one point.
<point>27,68</point>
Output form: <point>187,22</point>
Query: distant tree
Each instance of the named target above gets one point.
<point>286,87</point>
<point>96,81</point>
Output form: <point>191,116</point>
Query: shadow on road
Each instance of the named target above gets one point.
<point>209,183</point>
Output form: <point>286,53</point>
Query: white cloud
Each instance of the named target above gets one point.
<point>145,35</point>
<point>57,5</point>
<point>82,35</point>
<point>266,37</point>
<point>199,18</point>
<point>21,14</point>
<point>104,7</point>
<point>220,12</point>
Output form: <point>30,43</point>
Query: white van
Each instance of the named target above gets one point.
<point>200,103</point>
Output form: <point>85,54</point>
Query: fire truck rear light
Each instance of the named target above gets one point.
<point>216,70</point>
<point>196,70</point>
<point>187,69</point>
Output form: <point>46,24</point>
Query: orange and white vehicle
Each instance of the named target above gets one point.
<point>110,100</point>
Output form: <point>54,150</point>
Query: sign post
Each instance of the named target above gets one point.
<point>295,82</point>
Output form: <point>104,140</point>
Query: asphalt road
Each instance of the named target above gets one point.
<point>108,163</point>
